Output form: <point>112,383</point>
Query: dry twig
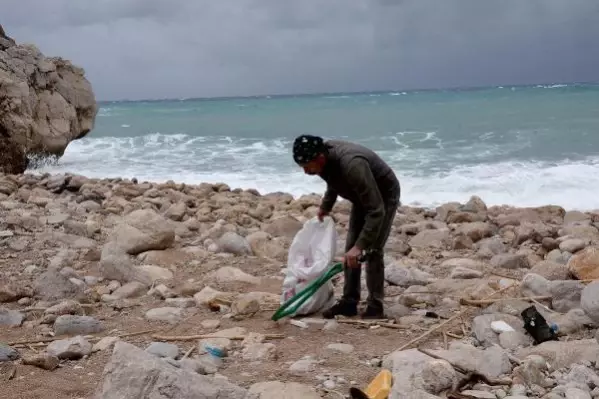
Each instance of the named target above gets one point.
<point>205,336</point>
<point>457,315</point>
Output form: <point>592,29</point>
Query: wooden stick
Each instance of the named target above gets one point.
<point>205,336</point>
<point>457,315</point>
<point>93,338</point>
<point>503,275</point>
<point>188,352</point>
<point>452,335</point>
<point>370,323</point>
<point>476,302</point>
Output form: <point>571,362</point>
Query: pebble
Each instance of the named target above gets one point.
<point>70,348</point>
<point>73,324</point>
<point>163,349</point>
<point>342,348</point>
<point>8,354</point>
<point>168,314</point>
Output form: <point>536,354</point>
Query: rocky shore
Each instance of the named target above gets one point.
<point>115,288</point>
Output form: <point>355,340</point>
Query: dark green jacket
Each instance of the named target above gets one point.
<point>359,175</point>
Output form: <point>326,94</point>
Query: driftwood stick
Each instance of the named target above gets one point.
<point>370,323</point>
<point>188,352</point>
<point>93,338</point>
<point>452,335</point>
<point>437,327</point>
<point>204,336</point>
<point>476,302</point>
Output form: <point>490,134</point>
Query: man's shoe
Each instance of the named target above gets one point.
<point>372,312</point>
<point>341,308</point>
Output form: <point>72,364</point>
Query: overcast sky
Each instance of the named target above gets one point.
<point>135,49</point>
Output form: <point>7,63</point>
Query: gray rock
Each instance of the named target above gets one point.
<point>589,300</point>
<point>479,394</point>
<point>397,310</point>
<point>163,349</point>
<point>11,318</point>
<point>491,362</point>
<point>257,351</point>
<point>573,321</point>
<point>514,340</point>
<point>582,376</point>
<point>465,273</point>
<point>70,348</point>
<point>405,366</point>
<point>131,289</point>
<point>303,366</point>
<point>406,276</point>
<point>65,307</point>
<point>180,302</point>
<point>481,327</point>
<point>282,390</point>
<point>53,286</point>
<point>563,353</point>
<point>233,243</point>
<point>167,314</point>
<point>534,285</point>
<point>488,247</point>
<point>116,264</point>
<point>573,245</point>
<point>134,373</point>
<point>566,295</point>
<point>551,270</point>
<point>342,348</point>
<point>532,371</point>
<point>510,261</point>
<point>8,354</point>
<point>436,376</point>
<point>143,230</point>
<point>576,393</point>
<point>104,344</point>
<point>72,324</point>
<point>555,255</point>
<point>438,238</point>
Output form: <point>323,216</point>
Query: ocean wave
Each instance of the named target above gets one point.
<point>267,166</point>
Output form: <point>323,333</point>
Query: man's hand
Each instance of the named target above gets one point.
<point>321,214</point>
<point>351,257</point>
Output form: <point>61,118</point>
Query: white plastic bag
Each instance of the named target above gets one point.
<point>312,251</point>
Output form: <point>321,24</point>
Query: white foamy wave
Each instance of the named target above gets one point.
<point>570,184</point>
<point>267,166</point>
<point>556,86</point>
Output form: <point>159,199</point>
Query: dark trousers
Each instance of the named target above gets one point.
<point>375,264</point>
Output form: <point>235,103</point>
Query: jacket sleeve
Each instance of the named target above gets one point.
<point>329,199</point>
<point>360,178</point>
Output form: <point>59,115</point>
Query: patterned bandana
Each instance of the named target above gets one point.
<point>306,148</point>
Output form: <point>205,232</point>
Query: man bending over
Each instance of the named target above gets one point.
<point>359,175</point>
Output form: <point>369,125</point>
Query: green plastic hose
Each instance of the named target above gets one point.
<point>298,299</point>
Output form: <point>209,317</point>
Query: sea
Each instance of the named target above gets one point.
<point>520,146</point>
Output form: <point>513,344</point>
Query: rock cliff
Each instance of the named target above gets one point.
<point>45,103</point>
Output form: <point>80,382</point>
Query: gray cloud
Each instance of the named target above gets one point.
<point>189,48</point>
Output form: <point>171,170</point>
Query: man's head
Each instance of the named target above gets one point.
<point>309,152</point>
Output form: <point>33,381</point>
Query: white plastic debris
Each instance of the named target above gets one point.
<point>298,323</point>
<point>500,326</point>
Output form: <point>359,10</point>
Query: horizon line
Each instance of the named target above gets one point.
<point>316,94</point>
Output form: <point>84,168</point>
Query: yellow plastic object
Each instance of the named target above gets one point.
<point>380,386</point>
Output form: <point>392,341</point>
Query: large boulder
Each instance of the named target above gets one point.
<point>45,103</point>
<point>135,373</point>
